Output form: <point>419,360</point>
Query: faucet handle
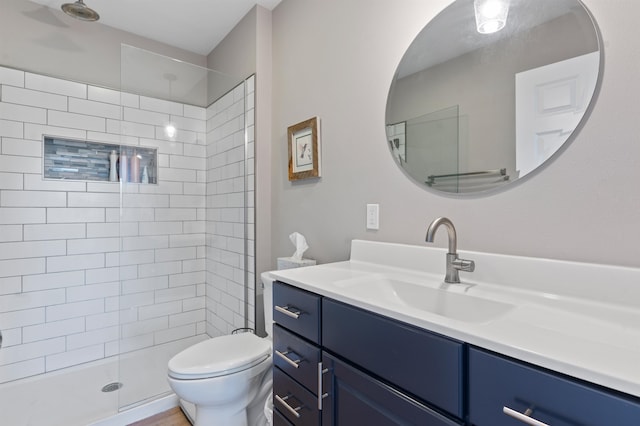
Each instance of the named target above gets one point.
<point>464,265</point>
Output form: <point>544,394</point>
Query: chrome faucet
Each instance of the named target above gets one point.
<point>454,263</point>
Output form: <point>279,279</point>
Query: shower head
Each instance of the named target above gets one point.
<point>79,10</point>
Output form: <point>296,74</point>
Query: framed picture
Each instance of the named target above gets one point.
<point>304,150</point>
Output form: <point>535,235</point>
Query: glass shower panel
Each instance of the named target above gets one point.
<point>432,148</point>
<point>182,215</point>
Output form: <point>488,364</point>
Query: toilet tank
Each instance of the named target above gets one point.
<point>267,281</point>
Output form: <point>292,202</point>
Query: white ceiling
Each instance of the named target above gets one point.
<point>194,25</point>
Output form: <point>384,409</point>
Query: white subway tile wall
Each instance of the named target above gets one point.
<point>227,208</point>
<point>82,278</point>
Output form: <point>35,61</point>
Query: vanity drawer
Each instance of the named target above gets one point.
<point>302,358</point>
<point>421,363</point>
<point>293,401</point>
<point>496,382</point>
<point>279,419</point>
<point>298,310</point>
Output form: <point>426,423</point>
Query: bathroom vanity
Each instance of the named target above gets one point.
<point>378,340</point>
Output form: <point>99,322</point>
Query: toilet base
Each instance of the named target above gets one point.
<point>213,416</point>
<point>254,418</point>
<point>255,411</point>
<point>189,410</point>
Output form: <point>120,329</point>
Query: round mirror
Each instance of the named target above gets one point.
<point>490,90</point>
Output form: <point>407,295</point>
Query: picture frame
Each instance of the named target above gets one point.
<point>304,150</point>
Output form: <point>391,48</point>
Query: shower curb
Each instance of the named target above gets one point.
<point>140,412</point>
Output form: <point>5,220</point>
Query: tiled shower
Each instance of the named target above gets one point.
<point>93,271</point>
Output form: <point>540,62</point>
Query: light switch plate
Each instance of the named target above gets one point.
<point>373,216</point>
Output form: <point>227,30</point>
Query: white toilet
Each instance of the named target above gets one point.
<point>227,378</point>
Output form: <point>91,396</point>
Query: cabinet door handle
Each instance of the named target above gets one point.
<point>292,362</point>
<point>283,401</point>
<point>523,417</point>
<point>288,311</point>
<point>321,395</point>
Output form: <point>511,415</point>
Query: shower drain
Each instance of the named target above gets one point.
<point>112,387</point>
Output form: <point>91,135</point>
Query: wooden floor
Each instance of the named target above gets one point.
<point>173,417</point>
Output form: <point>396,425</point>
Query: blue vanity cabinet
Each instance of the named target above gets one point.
<point>498,384</point>
<point>355,398</point>
<point>338,365</point>
<point>296,355</point>
<point>335,364</point>
<point>428,366</point>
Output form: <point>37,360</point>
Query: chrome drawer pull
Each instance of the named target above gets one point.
<point>287,311</point>
<point>321,395</point>
<point>292,410</point>
<point>524,418</point>
<point>291,362</point>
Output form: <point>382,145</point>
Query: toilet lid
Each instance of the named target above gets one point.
<point>220,356</point>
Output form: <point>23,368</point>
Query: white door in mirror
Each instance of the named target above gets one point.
<point>550,102</point>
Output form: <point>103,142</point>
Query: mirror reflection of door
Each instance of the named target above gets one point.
<point>550,102</point>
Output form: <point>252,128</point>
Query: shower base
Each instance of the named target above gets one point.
<point>74,396</point>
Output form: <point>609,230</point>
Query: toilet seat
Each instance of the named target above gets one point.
<point>219,356</point>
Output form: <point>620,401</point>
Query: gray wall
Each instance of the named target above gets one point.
<point>246,50</point>
<point>336,60</point>
<point>263,151</point>
<point>235,55</point>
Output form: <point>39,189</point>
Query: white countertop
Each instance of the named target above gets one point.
<point>579,319</point>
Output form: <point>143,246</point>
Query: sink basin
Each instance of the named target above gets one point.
<point>435,300</point>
